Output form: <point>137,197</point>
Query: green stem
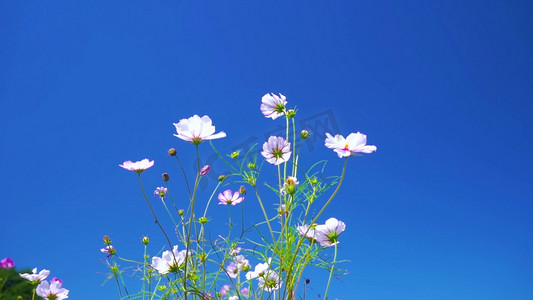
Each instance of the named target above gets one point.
<point>331,272</point>
<point>185,175</point>
<point>264,212</point>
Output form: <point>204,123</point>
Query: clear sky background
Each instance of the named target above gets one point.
<point>443,209</point>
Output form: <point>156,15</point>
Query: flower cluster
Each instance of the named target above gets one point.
<point>52,290</point>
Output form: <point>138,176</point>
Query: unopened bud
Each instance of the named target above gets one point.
<point>181,212</point>
<point>291,113</point>
<point>107,240</point>
<point>235,154</point>
<point>202,220</point>
<point>242,190</point>
<point>205,170</point>
<point>313,180</point>
<point>251,165</point>
<point>114,268</point>
<point>203,257</point>
<point>304,134</point>
<point>221,178</point>
<point>165,177</point>
<point>146,240</point>
<point>172,152</point>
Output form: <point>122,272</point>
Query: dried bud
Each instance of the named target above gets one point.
<point>181,212</point>
<point>202,220</point>
<point>107,240</point>
<point>242,190</point>
<point>172,152</point>
<point>205,170</point>
<point>165,177</point>
<point>146,240</point>
<point>307,281</point>
<point>304,134</point>
<point>221,178</point>
<point>291,113</point>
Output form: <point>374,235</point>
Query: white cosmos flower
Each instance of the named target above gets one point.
<point>52,291</point>
<point>259,271</point>
<point>276,150</point>
<point>138,166</point>
<point>271,281</point>
<point>306,231</point>
<point>327,234</point>
<point>273,106</point>
<point>197,130</point>
<point>351,145</point>
<point>34,276</point>
<point>170,261</point>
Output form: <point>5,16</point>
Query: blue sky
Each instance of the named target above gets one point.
<point>443,209</point>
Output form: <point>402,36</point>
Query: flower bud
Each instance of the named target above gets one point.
<point>202,220</point>
<point>242,190</point>
<point>203,257</point>
<point>307,281</point>
<point>235,154</point>
<point>221,178</point>
<point>313,180</point>
<point>107,240</point>
<point>181,212</point>
<point>205,170</point>
<point>290,185</point>
<point>304,134</point>
<point>291,113</point>
<point>114,268</point>
<point>146,240</point>
<point>172,152</point>
<point>251,165</point>
<point>165,177</point>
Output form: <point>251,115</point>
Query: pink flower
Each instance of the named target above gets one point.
<point>276,150</point>
<point>52,291</point>
<point>161,192</point>
<point>56,279</point>
<point>7,263</point>
<point>230,198</point>
<point>327,234</point>
<point>273,106</point>
<point>306,231</point>
<point>245,292</point>
<point>225,289</point>
<point>110,250</point>
<point>233,270</point>
<point>205,170</point>
<point>34,276</point>
<point>353,144</point>
<point>235,251</point>
<point>197,130</point>
<point>138,166</point>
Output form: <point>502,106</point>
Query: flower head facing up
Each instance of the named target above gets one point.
<point>138,166</point>
<point>170,261</point>
<point>197,130</point>
<point>327,234</point>
<point>34,276</point>
<point>276,150</point>
<point>7,263</point>
<point>351,145</point>
<point>161,192</point>
<point>52,291</point>
<point>230,198</point>
<point>273,106</point>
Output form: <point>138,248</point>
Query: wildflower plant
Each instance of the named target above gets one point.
<point>266,260</point>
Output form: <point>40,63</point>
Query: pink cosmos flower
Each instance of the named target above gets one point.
<point>170,261</point>
<point>276,150</point>
<point>353,144</point>
<point>56,279</point>
<point>230,198</point>
<point>52,291</point>
<point>225,289</point>
<point>236,251</point>
<point>327,234</point>
<point>197,130</point>
<point>205,170</point>
<point>138,166</point>
<point>245,292</point>
<point>161,192</point>
<point>273,106</point>
<point>110,250</point>
<point>7,263</point>
<point>306,231</point>
<point>242,263</point>
<point>232,269</point>
<point>34,276</point>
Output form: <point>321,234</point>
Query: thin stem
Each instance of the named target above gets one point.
<point>331,272</point>
<point>264,213</point>
<point>185,175</point>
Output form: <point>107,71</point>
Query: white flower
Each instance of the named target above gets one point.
<point>327,234</point>
<point>306,231</point>
<point>242,263</point>
<point>271,281</point>
<point>289,186</point>
<point>276,150</point>
<point>138,166</point>
<point>230,198</point>
<point>233,298</point>
<point>232,269</point>
<point>197,130</point>
<point>52,291</point>
<point>259,271</point>
<point>273,106</point>
<point>353,144</point>
<point>170,261</point>
<point>34,276</point>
